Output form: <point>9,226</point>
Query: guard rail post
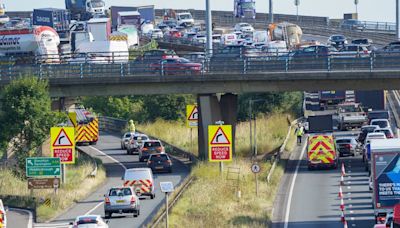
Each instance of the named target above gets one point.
<point>81,70</point>
<point>9,71</point>
<point>112,57</point>
<point>121,70</point>
<point>329,63</point>
<point>162,68</point>
<point>371,62</point>
<point>40,71</point>
<point>244,65</point>
<point>286,64</point>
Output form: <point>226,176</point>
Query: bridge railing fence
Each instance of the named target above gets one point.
<point>218,63</point>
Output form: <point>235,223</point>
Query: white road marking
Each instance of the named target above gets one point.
<point>353,224</point>
<point>349,182</point>
<point>348,187</point>
<point>292,187</point>
<point>349,177</point>
<point>93,209</point>
<point>351,212</point>
<point>349,199</point>
<point>111,158</point>
<point>108,156</point>
<point>349,171</point>
<point>349,193</point>
<point>352,218</point>
<point>350,205</point>
<point>30,219</point>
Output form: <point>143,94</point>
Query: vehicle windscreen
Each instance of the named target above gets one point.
<point>120,192</point>
<point>185,16</point>
<point>152,144</point>
<point>349,108</point>
<point>378,115</point>
<point>336,38</point>
<point>183,60</point>
<point>159,157</point>
<point>381,124</point>
<point>137,175</point>
<point>340,141</point>
<point>368,129</point>
<point>376,137</point>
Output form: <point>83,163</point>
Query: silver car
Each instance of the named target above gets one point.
<point>121,200</point>
<point>135,143</point>
<point>125,139</point>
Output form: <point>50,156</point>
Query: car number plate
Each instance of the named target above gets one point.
<point>159,167</point>
<point>120,201</point>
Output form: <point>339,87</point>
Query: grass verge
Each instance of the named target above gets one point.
<point>271,132</point>
<point>211,200</point>
<point>78,186</point>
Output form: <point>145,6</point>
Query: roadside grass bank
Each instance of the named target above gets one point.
<point>78,186</point>
<point>212,198</point>
<point>271,132</point>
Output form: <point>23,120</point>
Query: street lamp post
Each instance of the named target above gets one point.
<point>271,12</point>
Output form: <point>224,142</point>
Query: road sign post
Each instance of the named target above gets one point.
<point>43,167</point>
<point>255,168</point>
<point>166,187</point>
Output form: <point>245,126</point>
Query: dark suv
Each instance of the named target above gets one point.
<point>160,163</point>
<point>150,147</point>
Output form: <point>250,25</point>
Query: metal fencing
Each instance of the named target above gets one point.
<point>219,63</point>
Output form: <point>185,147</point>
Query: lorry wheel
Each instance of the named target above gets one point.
<point>135,214</point>
<point>108,215</point>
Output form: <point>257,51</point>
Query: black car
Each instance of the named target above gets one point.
<point>160,163</point>
<point>337,41</point>
<point>364,41</point>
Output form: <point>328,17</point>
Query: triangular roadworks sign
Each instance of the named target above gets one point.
<point>194,114</point>
<point>220,138</point>
<point>62,139</point>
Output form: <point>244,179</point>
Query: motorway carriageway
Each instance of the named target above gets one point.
<point>115,162</point>
<point>309,199</point>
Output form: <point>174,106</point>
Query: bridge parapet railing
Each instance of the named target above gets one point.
<point>219,63</point>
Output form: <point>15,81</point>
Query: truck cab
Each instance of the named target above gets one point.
<point>184,19</point>
<point>95,7</point>
<point>351,115</point>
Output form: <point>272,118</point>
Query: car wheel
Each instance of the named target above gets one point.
<point>108,215</point>
<point>135,214</point>
<point>153,196</point>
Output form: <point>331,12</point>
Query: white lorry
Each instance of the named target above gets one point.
<point>39,41</point>
<point>100,28</point>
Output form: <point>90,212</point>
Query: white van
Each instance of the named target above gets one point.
<point>141,179</point>
<point>229,39</point>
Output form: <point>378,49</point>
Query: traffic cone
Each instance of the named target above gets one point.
<point>342,218</point>
<point>343,170</point>
<point>340,192</point>
<point>341,181</point>
<point>341,204</point>
<point>345,224</point>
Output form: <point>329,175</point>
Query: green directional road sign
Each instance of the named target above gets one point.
<point>43,166</point>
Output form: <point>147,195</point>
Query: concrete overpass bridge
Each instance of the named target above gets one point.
<point>217,84</point>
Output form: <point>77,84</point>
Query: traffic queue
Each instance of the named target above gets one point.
<point>351,131</point>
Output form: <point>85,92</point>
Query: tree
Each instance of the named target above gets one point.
<point>26,116</point>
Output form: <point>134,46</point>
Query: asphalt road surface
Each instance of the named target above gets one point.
<point>17,218</point>
<point>115,161</point>
<point>309,199</point>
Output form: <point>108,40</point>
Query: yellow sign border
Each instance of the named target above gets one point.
<point>212,130</point>
<point>189,109</point>
<point>70,131</point>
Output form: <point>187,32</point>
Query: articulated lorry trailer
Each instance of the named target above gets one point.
<point>385,155</point>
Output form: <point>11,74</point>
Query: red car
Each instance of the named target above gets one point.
<point>176,66</point>
<point>175,33</point>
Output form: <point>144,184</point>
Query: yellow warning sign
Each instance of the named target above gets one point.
<point>219,143</point>
<point>62,144</point>
<point>192,116</point>
<point>72,117</point>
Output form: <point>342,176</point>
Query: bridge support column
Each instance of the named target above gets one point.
<point>213,108</point>
<point>62,103</point>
